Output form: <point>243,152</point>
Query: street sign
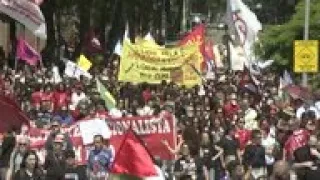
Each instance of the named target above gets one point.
<point>306,56</point>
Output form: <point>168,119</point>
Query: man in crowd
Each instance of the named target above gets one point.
<point>56,129</point>
<point>254,157</point>
<point>73,171</point>
<point>22,146</point>
<point>7,146</point>
<point>100,159</point>
<point>55,161</point>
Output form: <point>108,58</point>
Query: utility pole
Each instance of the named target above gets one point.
<point>306,37</point>
<point>185,15</point>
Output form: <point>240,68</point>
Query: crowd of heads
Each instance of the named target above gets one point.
<point>205,113</point>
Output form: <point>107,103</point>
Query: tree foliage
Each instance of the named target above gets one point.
<point>277,40</point>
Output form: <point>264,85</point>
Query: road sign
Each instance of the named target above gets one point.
<point>306,56</point>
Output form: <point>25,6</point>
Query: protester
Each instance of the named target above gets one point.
<point>7,147</point>
<point>281,171</point>
<point>214,121</point>
<point>57,129</point>
<point>73,171</point>
<point>30,168</point>
<point>55,161</point>
<point>254,157</point>
<point>21,148</point>
<point>185,166</point>
<point>100,159</point>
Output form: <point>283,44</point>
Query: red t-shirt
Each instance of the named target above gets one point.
<point>36,97</point>
<point>146,94</point>
<point>47,96</point>
<point>60,99</point>
<point>242,136</point>
<point>229,110</point>
<point>298,139</point>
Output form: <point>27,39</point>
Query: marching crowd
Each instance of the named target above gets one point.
<point>225,128</point>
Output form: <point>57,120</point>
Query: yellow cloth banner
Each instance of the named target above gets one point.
<point>84,63</point>
<point>152,64</point>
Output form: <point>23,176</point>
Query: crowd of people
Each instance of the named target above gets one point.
<point>225,128</point>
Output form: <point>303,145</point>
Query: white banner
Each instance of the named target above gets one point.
<point>73,70</point>
<point>90,128</point>
<point>246,25</point>
<point>27,13</point>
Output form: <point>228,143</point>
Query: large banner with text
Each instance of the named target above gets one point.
<point>153,64</point>
<point>153,130</point>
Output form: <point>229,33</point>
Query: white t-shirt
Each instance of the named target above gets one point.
<point>76,98</point>
<point>269,143</point>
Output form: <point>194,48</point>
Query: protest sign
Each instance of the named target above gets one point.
<point>151,129</point>
<point>148,63</point>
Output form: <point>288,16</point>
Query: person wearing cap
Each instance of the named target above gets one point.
<point>100,158</point>
<point>22,146</point>
<point>55,161</point>
<point>56,129</point>
<point>73,171</point>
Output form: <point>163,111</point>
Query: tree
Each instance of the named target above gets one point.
<point>277,40</point>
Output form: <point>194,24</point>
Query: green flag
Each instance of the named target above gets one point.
<point>109,100</point>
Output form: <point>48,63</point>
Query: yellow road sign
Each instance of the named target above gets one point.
<point>306,56</point>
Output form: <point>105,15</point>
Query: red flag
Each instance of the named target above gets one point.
<point>196,35</point>
<point>11,114</point>
<point>133,158</point>
<point>26,53</point>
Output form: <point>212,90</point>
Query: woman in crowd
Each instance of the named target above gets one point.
<point>29,169</point>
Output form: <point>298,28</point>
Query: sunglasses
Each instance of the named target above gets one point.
<point>22,144</point>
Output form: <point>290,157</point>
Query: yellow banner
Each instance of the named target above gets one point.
<point>153,64</point>
<point>306,56</point>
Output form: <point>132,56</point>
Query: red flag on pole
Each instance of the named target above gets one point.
<point>26,53</point>
<point>196,35</point>
<point>133,158</point>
